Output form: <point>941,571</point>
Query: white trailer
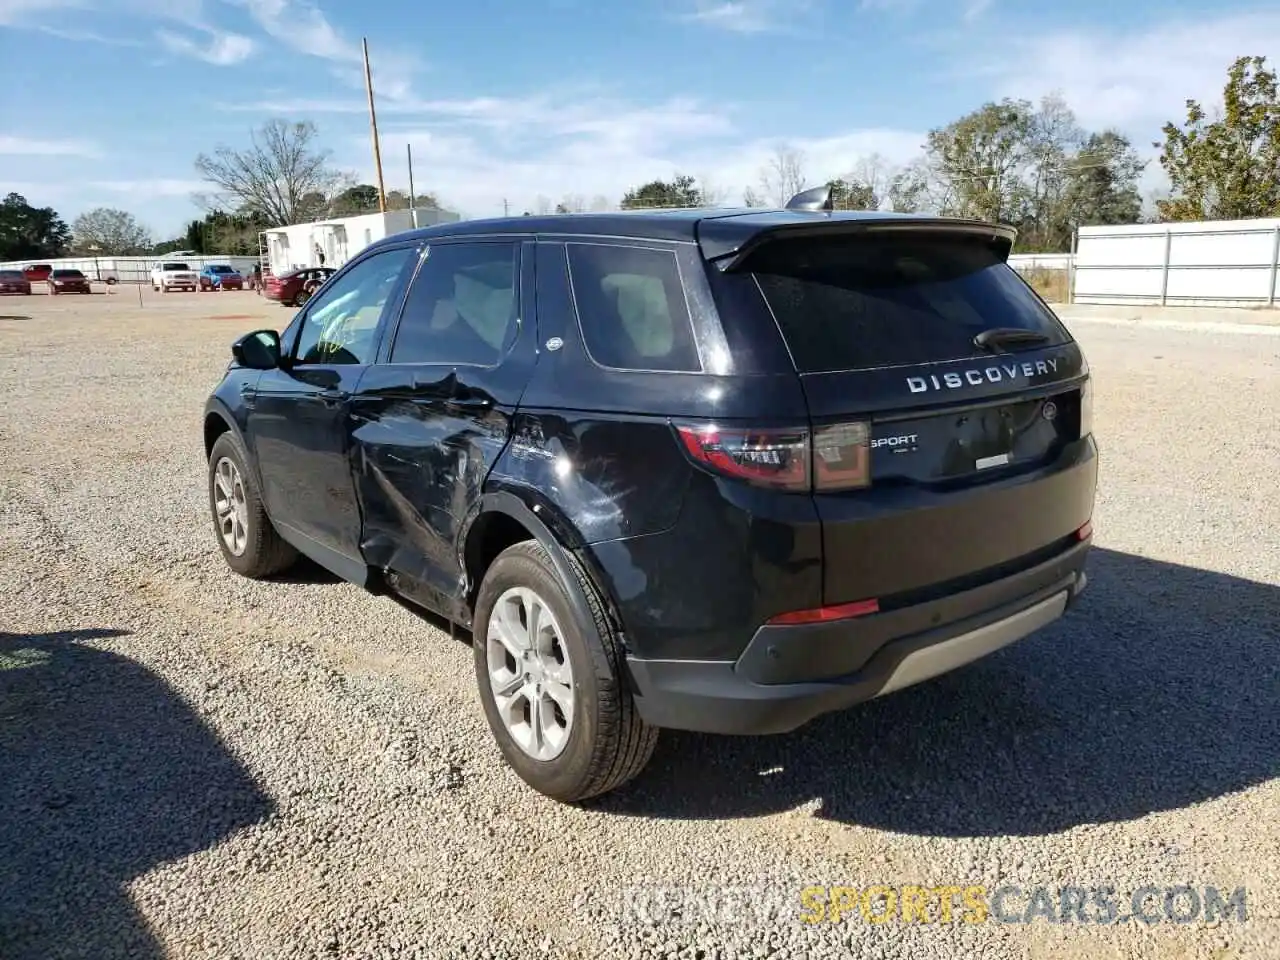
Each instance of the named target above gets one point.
<point>338,240</point>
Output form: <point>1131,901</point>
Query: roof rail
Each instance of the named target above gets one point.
<point>815,198</point>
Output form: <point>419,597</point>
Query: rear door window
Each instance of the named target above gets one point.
<point>853,303</point>
<point>631,307</point>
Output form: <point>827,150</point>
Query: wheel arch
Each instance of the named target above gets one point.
<point>503,517</point>
<point>219,420</point>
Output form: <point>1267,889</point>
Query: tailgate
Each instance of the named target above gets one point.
<point>970,394</point>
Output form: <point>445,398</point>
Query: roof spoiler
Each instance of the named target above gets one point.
<point>728,248</point>
<point>814,199</point>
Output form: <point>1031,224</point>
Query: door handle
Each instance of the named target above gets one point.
<point>469,403</point>
<point>332,398</point>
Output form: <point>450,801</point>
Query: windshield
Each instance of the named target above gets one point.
<point>220,268</point>
<point>7,275</point>
<point>175,266</point>
<point>68,274</point>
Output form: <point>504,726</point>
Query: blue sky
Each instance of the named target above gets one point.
<point>107,102</point>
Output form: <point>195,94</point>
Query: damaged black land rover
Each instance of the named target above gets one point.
<point>711,470</point>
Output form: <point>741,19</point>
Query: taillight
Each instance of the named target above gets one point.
<point>769,457</point>
<point>1086,408</point>
<point>842,456</point>
<point>836,457</point>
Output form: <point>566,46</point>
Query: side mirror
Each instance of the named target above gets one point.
<point>259,350</point>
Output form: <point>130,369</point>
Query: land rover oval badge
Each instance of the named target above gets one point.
<point>1049,411</point>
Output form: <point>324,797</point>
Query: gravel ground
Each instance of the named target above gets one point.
<point>194,765</point>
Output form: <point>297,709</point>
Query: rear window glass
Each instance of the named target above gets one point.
<point>10,275</point>
<point>853,303</point>
<point>631,307</point>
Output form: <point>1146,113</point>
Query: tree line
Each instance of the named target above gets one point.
<point>1012,161</point>
<point>1034,167</point>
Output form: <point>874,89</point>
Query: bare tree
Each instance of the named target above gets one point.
<point>600,203</point>
<point>572,203</point>
<point>712,194</point>
<point>783,176</point>
<point>279,176</point>
<point>752,199</point>
<point>875,173</point>
<point>108,232</point>
<point>542,206</point>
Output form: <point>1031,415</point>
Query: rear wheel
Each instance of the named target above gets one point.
<point>552,687</point>
<point>249,543</point>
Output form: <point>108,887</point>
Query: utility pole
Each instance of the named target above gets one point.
<point>373,123</point>
<point>505,207</point>
<point>413,204</point>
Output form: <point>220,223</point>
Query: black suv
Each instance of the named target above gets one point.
<point>714,470</point>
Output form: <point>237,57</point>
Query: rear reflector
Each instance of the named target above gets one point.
<point>841,611</point>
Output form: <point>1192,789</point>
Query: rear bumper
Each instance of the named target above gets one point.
<point>787,676</point>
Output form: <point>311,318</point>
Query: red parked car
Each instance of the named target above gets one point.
<point>295,287</point>
<point>66,280</point>
<point>37,272</point>
<point>14,281</point>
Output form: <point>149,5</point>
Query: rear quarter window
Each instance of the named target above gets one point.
<point>860,302</point>
<point>631,307</point>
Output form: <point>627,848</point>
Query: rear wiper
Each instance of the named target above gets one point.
<point>1001,336</point>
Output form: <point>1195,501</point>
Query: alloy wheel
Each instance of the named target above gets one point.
<point>530,673</point>
<point>230,507</point>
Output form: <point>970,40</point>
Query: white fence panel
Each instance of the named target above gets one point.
<point>1233,263</point>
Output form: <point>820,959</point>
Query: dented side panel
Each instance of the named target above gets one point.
<point>426,437</point>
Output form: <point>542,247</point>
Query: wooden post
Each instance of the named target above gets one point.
<point>373,123</point>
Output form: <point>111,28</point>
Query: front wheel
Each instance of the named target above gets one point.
<point>250,544</point>
<point>552,687</point>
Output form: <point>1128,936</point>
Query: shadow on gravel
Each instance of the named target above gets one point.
<point>105,772</point>
<point>1158,691</point>
<point>12,317</point>
<point>305,570</point>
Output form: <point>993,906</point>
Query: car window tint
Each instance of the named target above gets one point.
<point>341,323</point>
<point>631,307</point>
<point>462,307</point>
<point>851,303</point>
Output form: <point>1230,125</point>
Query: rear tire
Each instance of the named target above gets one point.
<point>606,742</point>
<point>249,543</point>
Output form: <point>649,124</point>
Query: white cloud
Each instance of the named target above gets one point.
<point>222,49</point>
<point>37,147</point>
<point>87,36</point>
<point>742,16</point>
<point>519,150</point>
<point>302,27</point>
<point>22,12</point>
<point>1135,80</point>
